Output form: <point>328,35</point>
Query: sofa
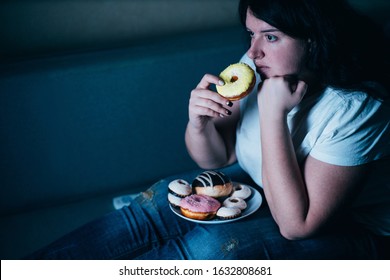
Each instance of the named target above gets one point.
<point>80,129</point>
<point>80,126</point>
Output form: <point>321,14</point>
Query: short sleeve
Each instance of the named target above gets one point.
<point>357,133</point>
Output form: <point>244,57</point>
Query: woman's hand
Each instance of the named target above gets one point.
<point>206,104</point>
<point>210,135</point>
<point>279,95</point>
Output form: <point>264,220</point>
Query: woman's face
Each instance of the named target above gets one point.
<point>273,52</point>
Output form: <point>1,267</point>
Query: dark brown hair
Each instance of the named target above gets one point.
<point>347,51</point>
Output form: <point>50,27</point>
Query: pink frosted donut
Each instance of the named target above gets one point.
<point>199,207</point>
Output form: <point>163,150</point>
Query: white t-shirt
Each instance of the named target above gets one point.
<point>335,127</point>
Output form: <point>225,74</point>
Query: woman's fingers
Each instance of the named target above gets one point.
<point>301,89</point>
<point>278,95</point>
<point>208,80</point>
<point>205,102</point>
<point>209,103</point>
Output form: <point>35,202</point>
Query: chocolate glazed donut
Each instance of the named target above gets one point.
<point>212,183</point>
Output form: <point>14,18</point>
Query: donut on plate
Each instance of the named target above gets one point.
<point>241,191</point>
<point>212,183</point>
<point>235,202</point>
<point>174,200</point>
<point>180,188</point>
<point>227,213</point>
<point>239,81</point>
<point>199,207</point>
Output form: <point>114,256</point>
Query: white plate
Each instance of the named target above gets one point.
<point>253,203</point>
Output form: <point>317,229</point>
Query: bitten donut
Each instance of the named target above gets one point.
<point>226,213</point>
<point>199,207</point>
<point>180,187</point>
<point>235,202</point>
<point>212,183</point>
<point>241,191</point>
<point>239,81</point>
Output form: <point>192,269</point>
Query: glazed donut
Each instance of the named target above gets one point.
<point>180,188</point>
<point>239,81</point>
<point>199,207</point>
<point>235,202</point>
<point>241,191</point>
<point>212,183</point>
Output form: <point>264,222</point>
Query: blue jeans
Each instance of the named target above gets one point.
<point>147,229</point>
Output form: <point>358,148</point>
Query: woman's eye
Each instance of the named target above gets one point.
<point>251,34</point>
<point>271,38</point>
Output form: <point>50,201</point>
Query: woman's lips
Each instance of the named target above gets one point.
<point>262,70</point>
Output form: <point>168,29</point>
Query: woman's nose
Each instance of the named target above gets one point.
<point>255,51</point>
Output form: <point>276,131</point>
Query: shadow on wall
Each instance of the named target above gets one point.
<point>37,27</point>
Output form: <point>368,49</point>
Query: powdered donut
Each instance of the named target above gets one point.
<point>180,188</point>
<point>226,213</point>
<point>235,202</point>
<point>199,207</point>
<point>239,81</point>
<point>174,200</point>
<point>241,191</point>
<point>212,183</point>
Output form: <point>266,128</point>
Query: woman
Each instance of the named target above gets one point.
<point>313,135</point>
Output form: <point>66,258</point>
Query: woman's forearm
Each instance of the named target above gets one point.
<point>283,183</point>
<point>206,146</point>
